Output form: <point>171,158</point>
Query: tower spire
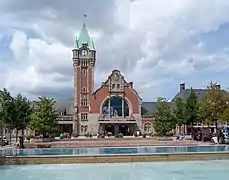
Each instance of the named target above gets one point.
<point>84,19</point>
<point>84,37</point>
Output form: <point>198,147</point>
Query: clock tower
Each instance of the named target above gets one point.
<point>84,57</point>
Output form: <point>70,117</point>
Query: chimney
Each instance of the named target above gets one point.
<point>218,85</point>
<point>182,86</point>
<point>131,84</point>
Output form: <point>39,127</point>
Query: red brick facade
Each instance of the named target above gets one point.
<point>101,95</point>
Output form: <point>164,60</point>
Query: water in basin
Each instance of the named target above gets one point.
<point>204,170</point>
<point>107,151</point>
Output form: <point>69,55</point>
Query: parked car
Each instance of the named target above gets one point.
<point>222,140</point>
<point>202,136</point>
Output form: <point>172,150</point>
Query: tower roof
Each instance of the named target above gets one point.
<point>84,37</point>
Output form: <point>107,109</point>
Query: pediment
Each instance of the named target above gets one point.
<point>116,81</point>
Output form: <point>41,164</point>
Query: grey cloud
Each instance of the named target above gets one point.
<point>101,12</point>
<point>62,78</point>
<point>60,20</point>
<point>66,70</point>
<point>60,94</point>
<point>123,55</point>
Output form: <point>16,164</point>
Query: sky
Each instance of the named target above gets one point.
<point>155,44</point>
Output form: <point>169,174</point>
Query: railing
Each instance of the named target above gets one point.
<point>108,118</point>
<point>65,118</point>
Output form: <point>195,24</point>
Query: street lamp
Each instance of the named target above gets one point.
<point>1,109</point>
<point>227,107</point>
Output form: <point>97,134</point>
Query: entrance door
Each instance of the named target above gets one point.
<point>109,128</point>
<point>124,129</point>
<point>66,128</point>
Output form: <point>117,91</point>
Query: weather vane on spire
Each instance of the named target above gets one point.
<point>85,17</point>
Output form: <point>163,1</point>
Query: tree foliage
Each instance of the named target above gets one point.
<point>191,108</point>
<point>23,110</point>
<point>7,108</point>
<point>180,112</point>
<point>44,116</point>
<point>214,106</point>
<point>15,111</point>
<point>164,120</point>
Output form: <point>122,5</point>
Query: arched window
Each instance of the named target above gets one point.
<point>148,127</point>
<point>82,128</point>
<point>116,108</point>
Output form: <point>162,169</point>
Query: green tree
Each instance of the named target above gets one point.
<point>214,106</point>
<point>7,109</point>
<point>191,108</point>
<point>180,112</point>
<point>44,116</point>
<point>164,120</point>
<point>225,116</point>
<point>23,110</point>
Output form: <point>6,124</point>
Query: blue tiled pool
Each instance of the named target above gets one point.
<point>116,151</point>
<point>210,170</point>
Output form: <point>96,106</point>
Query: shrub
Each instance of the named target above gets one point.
<point>109,134</point>
<point>144,135</point>
<point>119,135</point>
<point>169,134</point>
<point>53,135</point>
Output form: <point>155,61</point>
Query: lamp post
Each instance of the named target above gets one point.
<point>202,136</point>
<point>227,107</point>
<point>1,124</point>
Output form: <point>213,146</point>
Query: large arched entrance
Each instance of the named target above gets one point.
<point>114,107</point>
<point>124,129</point>
<point>109,128</point>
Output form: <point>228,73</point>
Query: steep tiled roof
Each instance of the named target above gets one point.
<point>149,107</point>
<point>65,108</point>
<point>201,93</point>
<point>84,37</point>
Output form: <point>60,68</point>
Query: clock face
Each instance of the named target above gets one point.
<point>84,52</point>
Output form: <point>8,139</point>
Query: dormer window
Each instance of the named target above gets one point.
<point>84,44</point>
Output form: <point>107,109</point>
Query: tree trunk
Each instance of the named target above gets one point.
<point>2,133</point>
<point>23,137</point>
<point>179,129</point>
<point>10,135</point>
<point>192,130</point>
<point>217,132</point>
<point>16,135</point>
<point>202,133</point>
